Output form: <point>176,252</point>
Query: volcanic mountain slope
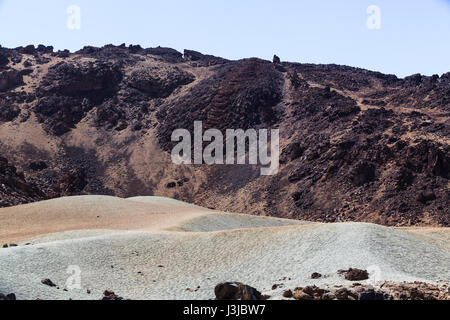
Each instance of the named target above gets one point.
<point>356,145</point>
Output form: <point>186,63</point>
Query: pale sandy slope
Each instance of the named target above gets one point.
<point>156,248</point>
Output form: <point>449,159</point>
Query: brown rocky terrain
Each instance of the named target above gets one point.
<point>356,145</point>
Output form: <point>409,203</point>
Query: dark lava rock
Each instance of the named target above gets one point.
<point>73,182</point>
<point>426,196</point>
<point>236,291</point>
<point>288,294</point>
<point>11,79</point>
<point>110,295</point>
<point>345,294</point>
<point>167,54</point>
<point>8,111</point>
<point>362,173</point>
<point>202,59</point>
<point>316,275</point>
<point>171,185</point>
<point>276,59</point>
<point>8,297</point>
<point>48,282</point>
<point>370,295</point>
<point>3,60</point>
<point>30,49</point>
<point>14,188</point>
<point>354,274</point>
<point>159,82</point>
<point>69,91</point>
<point>38,165</point>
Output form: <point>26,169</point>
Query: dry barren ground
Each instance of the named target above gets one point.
<point>158,248</point>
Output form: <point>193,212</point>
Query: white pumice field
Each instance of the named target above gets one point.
<point>158,248</point>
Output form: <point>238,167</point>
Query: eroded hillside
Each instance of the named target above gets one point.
<point>356,145</point>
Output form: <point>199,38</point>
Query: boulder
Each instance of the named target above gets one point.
<point>354,274</point>
<point>10,79</point>
<point>110,295</point>
<point>236,291</point>
<point>7,297</point>
<point>370,295</point>
<point>48,282</point>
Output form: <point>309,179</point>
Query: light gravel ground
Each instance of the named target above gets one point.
<point>205,250</point>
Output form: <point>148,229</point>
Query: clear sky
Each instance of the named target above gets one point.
<point>414,35</point>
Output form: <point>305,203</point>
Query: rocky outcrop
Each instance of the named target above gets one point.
<point>202,59</point>
<point>69,91</point>
<point>3,60</point>
<point>241,95</point>
<point>11,79</point>
<point>159,82</point>
<point>14,189</point>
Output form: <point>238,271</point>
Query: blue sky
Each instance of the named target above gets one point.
<point>414,35</point>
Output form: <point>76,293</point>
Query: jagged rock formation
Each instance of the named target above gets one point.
<point>14,189</point>
<point>356,145</point>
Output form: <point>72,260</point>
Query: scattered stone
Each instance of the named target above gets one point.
<point>288,294</point>
<point>300,295</point>
<point>48,282</point>
<point>316,275</point>
<point>276,286</point>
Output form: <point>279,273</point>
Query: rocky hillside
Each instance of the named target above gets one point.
<point>356,145</point>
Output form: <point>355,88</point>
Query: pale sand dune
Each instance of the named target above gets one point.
<point>91,212</point>
<point>203,248</point>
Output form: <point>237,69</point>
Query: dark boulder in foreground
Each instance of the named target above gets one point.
<point>237,291</point>
<point>48,282</point>
<point>7,297</point>
<point>110,295</point>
